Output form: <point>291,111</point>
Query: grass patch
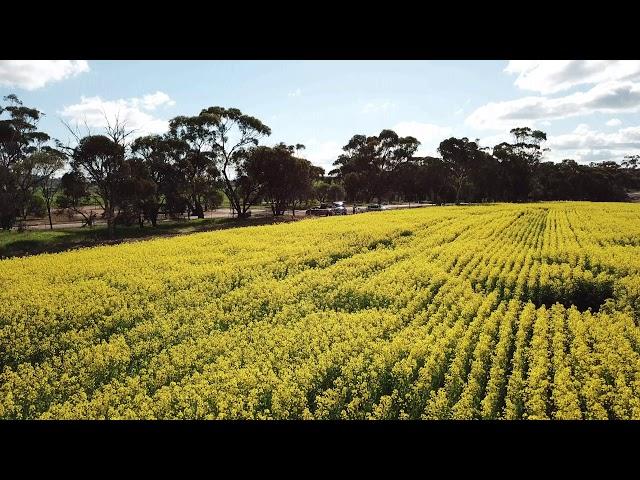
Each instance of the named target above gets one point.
<point>32,242</point>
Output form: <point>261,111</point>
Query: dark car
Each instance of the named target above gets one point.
<point>339,208</point>
<point>323,210</point>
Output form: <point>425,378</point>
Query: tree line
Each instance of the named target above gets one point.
<point>386,167</point>
<point>189,169</point>
<point>216,154</point>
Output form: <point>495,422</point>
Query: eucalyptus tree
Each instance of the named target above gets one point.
<point>519,161</point>
<point>19,139</point>
<point>166,161</point>
<point>48,162</point>
<point>101,160</point>
<point>460,156</point>
<point>373,161</point>
<point>281,178</point>
<point>225,137</point>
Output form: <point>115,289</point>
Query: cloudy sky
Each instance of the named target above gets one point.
<point>589,109</point>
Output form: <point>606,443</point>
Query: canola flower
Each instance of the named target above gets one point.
<point>527,311</point>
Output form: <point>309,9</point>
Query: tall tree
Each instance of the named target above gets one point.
<point>26,181</point>
<point>19,139</point>
<point>374,159</point>
<point>407,181</point>
<point>195,140</point>
<point>519,160</point>
<point>280,178</point>
<point>101,160</point>
<point>74,193</point>
<point>460,157</point>
<point>8,192</point>
<point>335,192</point>
<point>433,178</point>
<point>301,183</point>
<point>321,190</point>
<point>48,162</point>
<point>19,134</point>
<point>137,193</point>
<point>227,135</point>
<point>631,161</point>
<point>167,163</point>
<point>356,187</point>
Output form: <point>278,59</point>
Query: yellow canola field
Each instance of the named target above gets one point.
<point>500,311</point>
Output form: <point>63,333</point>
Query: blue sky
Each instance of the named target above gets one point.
<point>589,109</point>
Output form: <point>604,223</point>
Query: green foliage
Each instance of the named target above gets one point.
<point>36,206</point>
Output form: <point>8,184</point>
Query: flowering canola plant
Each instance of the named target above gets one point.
<point>528,311</point>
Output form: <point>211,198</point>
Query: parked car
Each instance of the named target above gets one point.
<point>359,209</point>
<point>375,207</point>
<point>339,208</point>
<point>323,210</point>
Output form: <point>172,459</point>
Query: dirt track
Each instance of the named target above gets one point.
<point>63,222</point>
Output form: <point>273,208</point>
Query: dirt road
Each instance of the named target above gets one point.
<point>62,222</point>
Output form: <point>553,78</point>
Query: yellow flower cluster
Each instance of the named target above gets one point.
<point>501,311</point>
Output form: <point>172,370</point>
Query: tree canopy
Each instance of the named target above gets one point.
<point>205,158</point>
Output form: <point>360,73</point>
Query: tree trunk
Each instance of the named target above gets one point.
<point>234,200</point>
<point>198,211</point>
<point>243,214</point>
<point>49,213</point>
<point>458,190</point>
<point>111,227</point>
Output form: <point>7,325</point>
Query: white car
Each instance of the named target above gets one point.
<point>375,207</point>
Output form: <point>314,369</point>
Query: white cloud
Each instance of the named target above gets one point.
<point>153,100</point>
<point>584,138</point>
<point>614,122</point>
<point>608,97</point>
<point>93,110</point>
<point>460,111</point>
<point>34,74</point>
<point>583,156</point>
<point>585,145</point>
<point>428,134</point>
<point>375,107</point>
<point>493,140</point>
<point>295,93</point>
<point>588,155</point>
<point>597,155</point>
<point>551,76</point>
<point>322,153</point>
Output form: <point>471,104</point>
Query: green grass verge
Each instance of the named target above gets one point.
<point>31,242</point>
